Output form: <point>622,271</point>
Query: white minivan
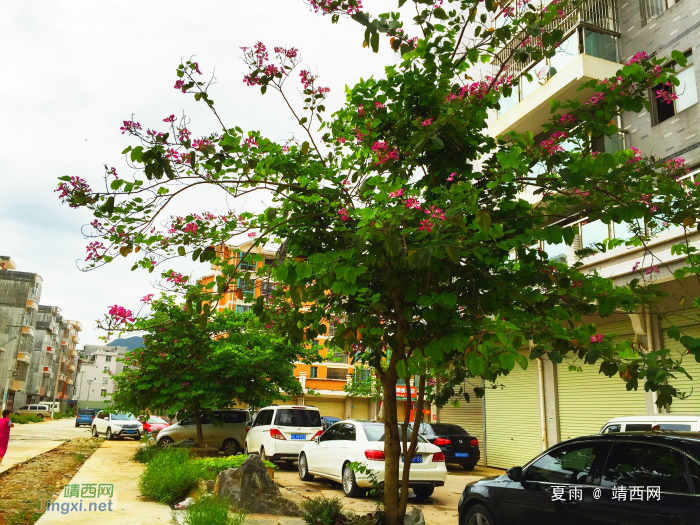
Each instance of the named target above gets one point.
<point>674,422</point>
<point>280,432</point>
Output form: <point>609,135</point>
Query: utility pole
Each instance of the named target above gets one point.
<point>87,403</point>
<point>58,372</point>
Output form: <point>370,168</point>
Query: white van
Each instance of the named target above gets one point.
<point>678,423</point>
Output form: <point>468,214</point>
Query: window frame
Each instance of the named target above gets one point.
<point>652,91</point>
<point>643,11</point>
<point>599,459</point>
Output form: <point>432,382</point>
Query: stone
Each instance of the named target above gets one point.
<point>414,517</point>
<point>249,488</point>
<point>210,485</point>
<point>184,504</point>
<point>199,490</point>
<point>185,443</point>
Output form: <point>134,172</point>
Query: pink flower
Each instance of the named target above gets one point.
<point>597,338</point>
<point>426,122</point>
<point>252,235</point>
<point>147,298</point>
<point>651,269</point>
<point>177,278</point>
<point>636,266</point>
<point>341,140</point>
<point>577,284</point>
<point>113,171</point>
<point>383,153</point>
<point>130,126</point>
<point>597,97</point>
<point>93,251</point>
<point>636,157</point>
<point>120,314</point>
<point>567,119</point>
<point>638,58</point>
<point>666,96</point>
<point>676,164</point>
<point>451,177</point>
<point>395,194</point>
<point>425,225</point>
<point>171,118</point>
<point>412,202</point>
<point>251,141</point>
<point>435,213</point>
<point>343,214</point>
<point>191,227</point>
<point>180,84</point>
<point>378,105</point>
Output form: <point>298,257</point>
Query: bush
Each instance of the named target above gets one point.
<point>323,511</point>
<point>146,454</point>
<point>211,511</point>
<point>223,463</point>
<point>169,476</point>
<point>21,420</point>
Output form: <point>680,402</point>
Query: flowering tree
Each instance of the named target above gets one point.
<point>187,367</point>
<point>402,217</point>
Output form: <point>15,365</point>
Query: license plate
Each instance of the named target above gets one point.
<point>416,459</point>
<point>129,432</point>
<point>298,436</point>
<point>461,454</point>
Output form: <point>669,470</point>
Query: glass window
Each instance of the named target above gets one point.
<point>42,407</point>
<point>231,416</point>
<point>600,45</point>
<point>264,417</point>
<point>564,54</point>
<point>123,417</point>
<point>611,429</point>
<point>108,359</point>
<point>155,420</point>
<point>269,262</point>
<point>332,434</point>
<point>624,230</point>
<point>247,265</point>
<point>86,412</point>
<point>694,469</point>
<point>337,373</point>
<point>635,464</point>
<point>454,430</point>
<point>638,427</point>
<point>508,103</point>
<point>676,427</point>
<point>593,232</point>
<point>539,76</point>
<point>242,308</point>
<point>314,372</point>
<point>686,92</point>
<point>298,417</point>
<point>653,8</point>
<point>375,432</point>
<point>565,465</point>
<point>346,432</point>
<point>556,252</point>
<point>362,375</point>
<point>247,287</point>
<point>103,392</point>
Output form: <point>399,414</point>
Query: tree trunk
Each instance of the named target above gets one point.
<point>392,449</point>
<point>410,451</point>
<point>198,422</point>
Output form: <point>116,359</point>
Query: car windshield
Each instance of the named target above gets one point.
<point>375,432</point>
<point>86,412</point>
<point>298,417</point>
<point>155,420</point>
<point>454,430</point>
<point>123,417</point>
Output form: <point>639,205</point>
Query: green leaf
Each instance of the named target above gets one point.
<point>507,361</point>
<point>453,253</point>
<point>439,13</point>
<point>490,5</point>
<point>476,365</point>
<point>483,220</point>
<point>374,42</point>
<point>181,251</point>
<point>674,332</point>
<point>127,150</point>
<point>108,207</point>
<point>305,148</point>
<point>438,142</point>
<point>679,57</point>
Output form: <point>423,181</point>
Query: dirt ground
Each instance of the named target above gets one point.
<point>43,477</point>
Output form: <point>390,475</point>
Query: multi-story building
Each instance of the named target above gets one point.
<point>94,385</point>
<point>325,380</point>
<point>547,403</point>
<point>37,346</point>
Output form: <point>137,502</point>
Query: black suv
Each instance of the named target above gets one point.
<point>632,478</point>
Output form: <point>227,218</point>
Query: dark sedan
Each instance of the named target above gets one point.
<point>455,442</point>
<point>633,478</point>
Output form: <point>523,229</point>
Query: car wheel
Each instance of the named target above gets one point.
<point>76,424</point>
<point>470,466</point>
<point>423,491</point>
<point>231,447</point>
<point>166,441</point>
<point>304,469</point>
<point>94,432</point>
<point>108,434</point>
<point>17,414</point>
<point>40,416</point>
<point>350,487</point>
<point>479,515</point>
<point>262,453</point>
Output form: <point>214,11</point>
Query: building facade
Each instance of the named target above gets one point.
<point>38,358</point>
<point>532,409</point>
<point>98,364</point>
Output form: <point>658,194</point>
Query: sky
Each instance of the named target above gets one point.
<point>74,70</point>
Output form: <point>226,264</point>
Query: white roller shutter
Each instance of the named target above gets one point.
<point>469,416</point>
<point>328,407</point>
<point>360,408</point>
<point>689,323</point>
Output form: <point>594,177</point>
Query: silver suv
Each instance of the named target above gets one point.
<point>222,429</point>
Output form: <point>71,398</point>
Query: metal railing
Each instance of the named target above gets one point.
<point>598,15</point>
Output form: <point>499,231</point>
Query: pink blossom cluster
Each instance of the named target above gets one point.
<point>292,52</point>
<point>95,251</point>
<point>113,171</point>
<point>665,95</point>
<point>384,154</point>
<point>435,213</point>
<point>412,203</point>
<point>176,156</point>
<point>426,122</point>
<point>597,338</point>
<point>183,134</point>
<point>120,314</point>
<point>251,141</point>
<point>190,228</point>
<point>252,235</point>
<point>396,194</point>
<point>676,164</point>
<point>174,277</point>
<point>425,225</point>
<point>378,105</point>
<point>637,156</point>
<point>130,126</point>
<point>328,7</point>
<point>651,270</point>
<point>147,298</point>
<point>577,284</point>
<point>75,186</point>
<point>598,96</point>
<point>567,118</point>
<point>180,85</point>
<point>171,118</point>
<point>200,144</point>
<point>343,212</point>
<point>551,145</point>
<point>638,57</point>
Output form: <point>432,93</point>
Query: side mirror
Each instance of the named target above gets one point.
<point>317,440</point>
<point>515,473</point>
<point>249,424</point>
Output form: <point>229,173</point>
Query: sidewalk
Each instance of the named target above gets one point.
<point>110,464</point>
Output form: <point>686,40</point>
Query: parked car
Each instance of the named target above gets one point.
<point>673,422</point>
<point>631,478</point>
<point>85,416</point>
<point>327,421</point>
<point>40,411</point>
<point>222,429</point>
<point>117,425</point>
<point>330,455</point>
<point>153,424</point>
<point>280,432</point>
<point>455,442</point>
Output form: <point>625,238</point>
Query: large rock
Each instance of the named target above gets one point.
<point>249,488</point>
<point>414,517</point>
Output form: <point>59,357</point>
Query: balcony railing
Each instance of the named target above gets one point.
<point>598,15</point>
<point>28,331</point>
<point>48,370</point>
<point>62,377</point>
<point>337,357</point>
<point>64,342</point>
<point>49,349</point>
<point>23,356</point>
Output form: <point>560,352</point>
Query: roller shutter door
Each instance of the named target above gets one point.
<point>292,400</point>
<point>360,408</point>
<point>588,400</point>
<point>328,407</point>
<point>689,323</point>
<point>513,433</point>
<point>469,416</point>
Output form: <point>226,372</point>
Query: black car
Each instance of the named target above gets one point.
<point>632,478</point>
<point>455,442</point>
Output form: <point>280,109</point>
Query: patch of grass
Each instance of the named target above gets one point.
<point>22,420</point>
<point>169,476</point>
<point>323,511</point>
<point>211,511</point>
<point>146,454</point>
<point>223,463</point>
<point>79,457</point>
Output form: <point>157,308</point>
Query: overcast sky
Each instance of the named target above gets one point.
<point>74,70</point>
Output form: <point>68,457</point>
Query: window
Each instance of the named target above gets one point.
<point>264,417</point>
<point>105,380</point>
<point>375,432</point>
<point>315,342</point>
<point>332,434</point>
<point>247,264</point>
<point>269,262</point>
<point>594,232</point>
<point>686,92</point>
<point>638,427</point>
<point>454,430</point>
<point>362,375</point>
<point>694,469</point>
<point>653,8</point>
<point>231,416</point>
<point>103,392</point>
<point>564,465</point>
<point>267,287</point>
<point>242,308</point>
<point>555,252</point>
<point>634,464</point>
<point>314,372</point>
<point>108,359</point>
<point>247,287</point>
<point>346,432</point>
<point>298,417</point>
<point>332,329</point>
<point>611,429</point>
<point>675,427</point>
<point>105,370</point>
<point>600,45</point>
<point>336,373</point>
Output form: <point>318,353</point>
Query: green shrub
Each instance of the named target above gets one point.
<point>211,511</point>
<point>223,463</point>
<point>323,511</point>
<point>21,420</point>
<point>146,454</point>
<point>169,476</point>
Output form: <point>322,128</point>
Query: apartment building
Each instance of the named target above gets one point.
<point>323,381</point>
<point>38,359</point>
<point>548,403</point>
<point>98,364</point>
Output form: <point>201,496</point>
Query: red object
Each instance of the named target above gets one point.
<point>375,455</point>
<point>474,442</point>
<point>276,434</point>
<point>442,442</point>
<point>438,457</point>
<point>317,434</point>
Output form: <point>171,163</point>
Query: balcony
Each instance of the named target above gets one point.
<point>48,370</point>
<point>50,349</point>
<point>70,381</point>
<point>588,51</point>
<point>64,360</point>
<point>71,366</point>
<point>62,377</point>
<point>32,305</point>
<point>64,342</point>
<point>28,331</point>
<point>76,339</point>
<point>337,358</point>
<point>24,357</point>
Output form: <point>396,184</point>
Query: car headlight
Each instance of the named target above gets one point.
<point>117,424</point>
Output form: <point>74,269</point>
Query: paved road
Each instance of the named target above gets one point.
<point>439,509</point>
<point>32,439</point>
